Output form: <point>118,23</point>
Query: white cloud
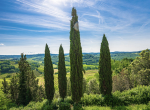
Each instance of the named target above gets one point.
<point>22,29</point>
<point>95,17</point>
<point>57,15</point>
<point>1,44</point>
<point>53,16</point>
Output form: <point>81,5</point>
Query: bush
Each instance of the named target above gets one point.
<point>48,107</point>
<point>56,94</point>
<point>120,82</point>
<point>8,76</point>
<point>64,106</point>
<point>4,101</point>
<point>77,107</point>
<point>92,87</point>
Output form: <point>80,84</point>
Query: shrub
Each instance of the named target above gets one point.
<point>120,82</point>
<point>56,94</point>
<point>64,106</point>
<point>93,87</point>
<point>8,76</point>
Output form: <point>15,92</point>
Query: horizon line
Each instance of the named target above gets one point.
<point>82,52</point>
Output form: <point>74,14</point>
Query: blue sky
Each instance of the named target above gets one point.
<point>27,25</point>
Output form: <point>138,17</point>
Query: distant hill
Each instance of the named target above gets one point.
<point>42,55</point>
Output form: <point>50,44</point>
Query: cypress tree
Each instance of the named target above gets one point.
<point>62,80</point>
<point>30,84</point>
<point>105,73</point>
<point>22,81</point>
<point>48,75</point>
<point>25,81</point>
<point>76,66</point>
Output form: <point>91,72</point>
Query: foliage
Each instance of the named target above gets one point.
<point>40,94</point>
<point>93,87</point>
<point>76,66</point>
<point>64,106</point>
<point>62,80</point>
<point>105,73</point>
<point>138,72</point>
<point>5,87</point>
<point>23,87</point>
<point>4,101</point>
<point>24,67</point>
<point>14,88</point>
<point>48,75</point>
<point>120,82</point>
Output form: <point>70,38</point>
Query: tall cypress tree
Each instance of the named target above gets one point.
<point>76,66</point>
<point>48,75</point>
<point>22,82</point>
<point>62,80</point>
<point>105,73</point>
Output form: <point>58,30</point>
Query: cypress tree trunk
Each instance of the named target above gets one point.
<point>76,66</point>
<point>105,73</point>
<point>48,75</point>
<point>62,80</point>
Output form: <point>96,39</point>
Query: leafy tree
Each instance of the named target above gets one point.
<point>105,73</point>
<point>76,66</point>
<point>120,82</point>
<point>48,75</point>
<point>145,77</point>
<point>139,70</point>
<point>93,87</point>
<point>62,80</point>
